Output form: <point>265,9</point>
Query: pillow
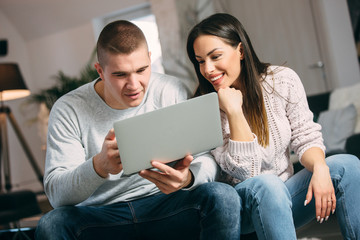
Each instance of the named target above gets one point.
<point>342,97</point>
<point>337,125</point>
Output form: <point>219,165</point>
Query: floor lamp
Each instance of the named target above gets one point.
<point>12,86</point>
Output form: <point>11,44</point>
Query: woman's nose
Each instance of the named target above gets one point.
<point>209,67</point>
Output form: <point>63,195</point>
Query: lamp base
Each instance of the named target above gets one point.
<point>5,112</point>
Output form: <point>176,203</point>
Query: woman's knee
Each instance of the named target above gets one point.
<point>267,189</point>
<point>343,165</point>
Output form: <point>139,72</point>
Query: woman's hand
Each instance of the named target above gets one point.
<point>230,100</point>
<point>323,190</point>
<point>320,185</point>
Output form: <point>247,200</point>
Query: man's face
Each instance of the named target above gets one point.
<point>126,78</point>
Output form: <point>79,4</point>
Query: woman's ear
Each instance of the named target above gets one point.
<point>241,49</point>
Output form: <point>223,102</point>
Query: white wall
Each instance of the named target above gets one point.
<point>39,60</point>
<point>67,50</point>
<point>22,174</point>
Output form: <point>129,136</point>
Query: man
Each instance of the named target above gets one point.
<point>83,172</point>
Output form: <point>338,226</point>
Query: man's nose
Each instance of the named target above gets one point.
<point>132,83</point>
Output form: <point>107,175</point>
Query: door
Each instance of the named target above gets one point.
<point>283,33</point>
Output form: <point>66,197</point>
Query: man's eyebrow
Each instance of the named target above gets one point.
<point>124,72</point>
<point>209,53</point>
<point>146,66</point>
<point>118,72</point>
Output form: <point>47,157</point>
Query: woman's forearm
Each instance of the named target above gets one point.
<point>313,158</point>
<point>239,128</point>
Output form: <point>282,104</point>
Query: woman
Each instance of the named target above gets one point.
<point>264,114</point>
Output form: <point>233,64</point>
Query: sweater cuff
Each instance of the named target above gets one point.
<point>204,169</point>
<point>243,148</point>
<point>90,170</point>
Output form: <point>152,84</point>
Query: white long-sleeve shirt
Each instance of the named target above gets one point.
<point>78,124</point>
<point>291,127</point>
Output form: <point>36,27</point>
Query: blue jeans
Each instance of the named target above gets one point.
<point>211,211</point>
<point>274,209</point>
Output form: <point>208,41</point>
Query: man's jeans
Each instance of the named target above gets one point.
<point>211,211</point>
<point>274,208</point>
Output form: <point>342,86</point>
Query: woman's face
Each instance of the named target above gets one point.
<point>219,62</point>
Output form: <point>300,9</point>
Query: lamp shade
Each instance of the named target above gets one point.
<point>12,84</point>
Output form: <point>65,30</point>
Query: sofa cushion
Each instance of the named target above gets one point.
<point>342,97</point>
<point>318,103</point>
<point>337,125</point>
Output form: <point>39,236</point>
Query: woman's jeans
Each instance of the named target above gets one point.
<point>274,208</point>
<point>211,211</point>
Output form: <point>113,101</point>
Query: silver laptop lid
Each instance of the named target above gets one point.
<point>169,133</point>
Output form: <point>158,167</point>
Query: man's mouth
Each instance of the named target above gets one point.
<point>133,95</point>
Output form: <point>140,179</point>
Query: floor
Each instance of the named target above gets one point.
<point>325,231</point>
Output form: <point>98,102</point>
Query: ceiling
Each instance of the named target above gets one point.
<point>38,18</point>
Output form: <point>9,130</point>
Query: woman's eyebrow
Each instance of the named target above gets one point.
<point>209,53</point>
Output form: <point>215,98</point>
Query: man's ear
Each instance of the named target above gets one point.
<point>99,70</point>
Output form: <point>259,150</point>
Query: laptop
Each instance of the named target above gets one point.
<point>169,133</point>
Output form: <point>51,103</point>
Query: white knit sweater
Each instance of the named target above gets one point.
<point>291,127</point>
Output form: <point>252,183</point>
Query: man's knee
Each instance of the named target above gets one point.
<point>55,222</point>
<point>220,193</point>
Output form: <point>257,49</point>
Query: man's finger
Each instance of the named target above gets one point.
<point>110,135</point>
<point>163,167</point>
<point>184,163</point>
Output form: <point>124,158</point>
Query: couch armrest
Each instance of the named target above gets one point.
<point>352,145</point>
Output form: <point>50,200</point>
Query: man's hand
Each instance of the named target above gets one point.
<point>108,160</point>
<point>170,179</point>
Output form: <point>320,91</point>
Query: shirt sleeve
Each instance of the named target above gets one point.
<point>69,177</point>
<point>240,160</point>
<point>204,169</point>
<point>305,133</point>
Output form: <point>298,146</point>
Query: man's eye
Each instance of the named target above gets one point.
<point>120,75</point>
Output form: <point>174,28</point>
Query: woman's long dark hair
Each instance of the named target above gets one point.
<point>232,32</point>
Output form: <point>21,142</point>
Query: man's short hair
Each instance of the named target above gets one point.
<point>119,37</point>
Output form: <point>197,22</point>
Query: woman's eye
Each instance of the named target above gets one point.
<point>215,57</point>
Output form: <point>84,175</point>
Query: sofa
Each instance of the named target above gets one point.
<point>319,104</point>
